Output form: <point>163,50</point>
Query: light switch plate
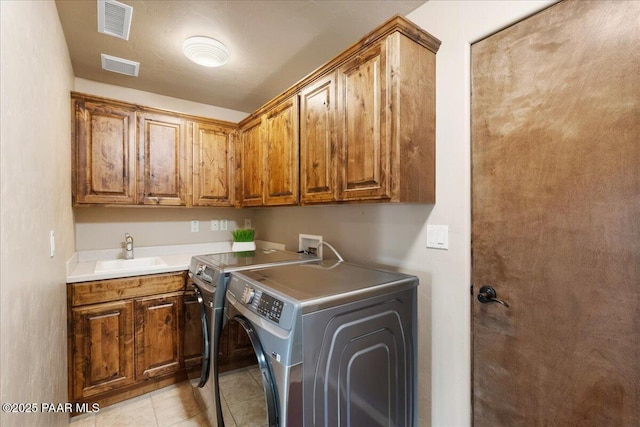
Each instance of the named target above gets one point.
<point>215,225</point>
<point>438,236</point>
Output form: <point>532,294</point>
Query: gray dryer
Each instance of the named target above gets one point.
<point>336,342</point>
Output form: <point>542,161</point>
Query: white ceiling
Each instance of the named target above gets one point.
<point>273,44</point>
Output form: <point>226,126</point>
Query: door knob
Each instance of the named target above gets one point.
<point>488,294</point>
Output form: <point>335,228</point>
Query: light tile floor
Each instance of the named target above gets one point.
<point>242,402</point>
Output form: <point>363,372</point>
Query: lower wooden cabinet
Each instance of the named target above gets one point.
<point>102,357</point>
<point>158,335</point>
<point>126,336</point>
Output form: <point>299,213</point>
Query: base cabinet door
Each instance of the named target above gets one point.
<point>158,340</point>
<point>102,348</point>
<point>192,332</point>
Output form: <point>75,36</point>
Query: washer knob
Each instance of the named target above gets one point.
<point>247,295</point>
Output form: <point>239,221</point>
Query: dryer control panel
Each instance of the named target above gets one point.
<point>262,302</point>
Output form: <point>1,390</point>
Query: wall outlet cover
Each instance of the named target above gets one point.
<point>311,244</point>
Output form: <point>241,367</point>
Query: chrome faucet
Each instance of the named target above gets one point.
<point>128,241</point>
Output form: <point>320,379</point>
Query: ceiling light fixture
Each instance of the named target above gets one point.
<point>205,51</point>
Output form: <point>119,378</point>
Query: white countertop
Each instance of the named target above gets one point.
<point>81,266</point>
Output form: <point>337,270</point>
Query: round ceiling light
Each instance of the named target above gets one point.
<point>205,51</point>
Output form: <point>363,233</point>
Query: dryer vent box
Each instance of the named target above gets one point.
<point>310,244</point>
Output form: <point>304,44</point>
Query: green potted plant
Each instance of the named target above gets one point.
<point>243,240</point>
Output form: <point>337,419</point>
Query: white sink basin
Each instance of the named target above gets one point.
<point>128,264</point>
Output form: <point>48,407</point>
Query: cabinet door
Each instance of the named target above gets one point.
<point>212,165</point>
<point>318,141</point>
<point>192,346</point>
<point>251,164</point>
<point>158,349</point>
<point>102,358</point>
<point>104,158</point>
<point>362,127</point>
<point>162,160</point>
<point>281,145</point>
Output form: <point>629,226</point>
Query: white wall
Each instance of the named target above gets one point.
<point>35,177</point>
<point>396,235</point>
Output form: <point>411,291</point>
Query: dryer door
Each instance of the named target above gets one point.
<point>268,382</point>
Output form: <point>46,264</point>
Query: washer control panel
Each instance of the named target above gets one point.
<point>261,301</point>
<point>270,307</point>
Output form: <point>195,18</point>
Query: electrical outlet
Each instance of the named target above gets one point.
<point>224,225</point>
<point>215,225</point>
<point>195,226</point>
<point>247,223</point>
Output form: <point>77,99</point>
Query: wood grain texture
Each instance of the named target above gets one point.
<point>556,202</point>
<point>318,141</point>
<point>98,291</point>
<point>281,154</point>
<point>104,153</point>
<point>250,166</point>
<point>103,346</point>
<point>213,164</point>
<point>192,344</point>
<point>163,170</point>
<point>362,130</point>
<point>158,336</point>
<point>120,324</point>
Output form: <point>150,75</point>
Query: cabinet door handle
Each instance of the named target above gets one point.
<point>104,315</point>
<point>155,307</point>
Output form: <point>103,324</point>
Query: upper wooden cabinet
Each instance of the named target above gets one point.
<point>250,164</point>
<point>162,159</point>
<point>124,154</point>
<point>361,128</point>
<point>281,154</point>
<point>318,146</point>
<point>104,155</point>
<point>213,168</point>
<point>386,117</point>
<point>268,156</point>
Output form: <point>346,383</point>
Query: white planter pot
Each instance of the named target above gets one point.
<point>243,246</point>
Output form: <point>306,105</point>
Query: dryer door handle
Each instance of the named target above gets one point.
<point>265,370</point>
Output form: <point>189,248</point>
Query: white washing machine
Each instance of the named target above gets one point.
<point>335,342</point>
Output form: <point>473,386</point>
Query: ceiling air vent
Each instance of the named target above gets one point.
<point>119,65</point>
<point>114,18</point>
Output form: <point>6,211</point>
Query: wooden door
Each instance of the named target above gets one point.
<point>212,165</point>
<point>318,141</point>
<point>104,143</point>
<point>158,340</point>
<point>362,126</point>
<point>555,223</point>
<point>250,165</point>
<point>162,160</point>
<point>102,348</point>
<point>281,153</point>
<point>192,340</point>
